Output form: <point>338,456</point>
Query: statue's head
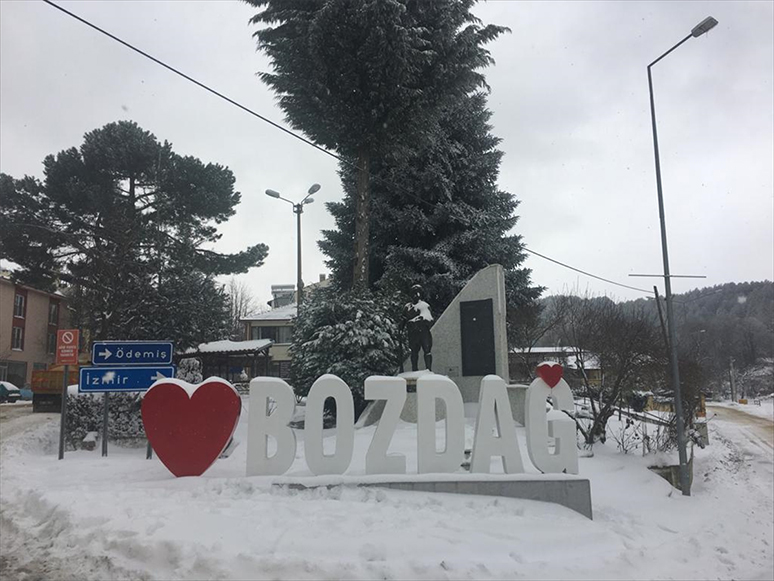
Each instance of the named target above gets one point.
<point>416,292</point>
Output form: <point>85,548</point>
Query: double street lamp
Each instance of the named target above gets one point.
<point>704,26</point>
<point>298,209</point>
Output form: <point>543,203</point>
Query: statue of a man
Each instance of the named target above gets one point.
<point>418,320</point>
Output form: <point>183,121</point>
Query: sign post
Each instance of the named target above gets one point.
<point>125,366</point>
<point>66,354</point>
<point>105,403</point>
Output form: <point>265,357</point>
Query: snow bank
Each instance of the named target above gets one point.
<point>126,517</point>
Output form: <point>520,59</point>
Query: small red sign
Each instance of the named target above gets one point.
<point>67,347</point>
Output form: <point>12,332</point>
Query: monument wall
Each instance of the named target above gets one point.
<point>469,338</point>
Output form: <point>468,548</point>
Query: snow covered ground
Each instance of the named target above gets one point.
<point>125,517</point>
<point>764,410</point>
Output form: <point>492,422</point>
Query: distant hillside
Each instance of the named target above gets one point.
<point>715,325</point>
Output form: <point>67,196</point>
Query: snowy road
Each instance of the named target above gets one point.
<point>759,429</point>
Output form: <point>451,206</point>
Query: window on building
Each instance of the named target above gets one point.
<point>280,369</point>
<point>18,306</point>
<point>53,313</point>
<point>284,335</point>
<point>51,344</point>
<point>14,371</point>
<point>276,334</point>
<point>17,338</point>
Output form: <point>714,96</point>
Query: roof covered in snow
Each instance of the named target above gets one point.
<point>279,314</point>
<point>227,346</point>
<point>561,354</point>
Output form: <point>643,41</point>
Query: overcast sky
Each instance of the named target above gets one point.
<point>569,97</point>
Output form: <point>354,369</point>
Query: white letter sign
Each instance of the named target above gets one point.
<point>336,463</point>
<point>262,425</point>
<point>430,388</point>
<point>540,427</point>
<point>494,410</point>
<point>392,389</point>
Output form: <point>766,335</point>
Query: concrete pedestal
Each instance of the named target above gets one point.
<point>572,492</point>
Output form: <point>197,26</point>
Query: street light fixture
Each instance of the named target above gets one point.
<point>298,209</point>
<point>705,25</point>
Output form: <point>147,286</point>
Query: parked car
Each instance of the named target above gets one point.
<point>9,392</point>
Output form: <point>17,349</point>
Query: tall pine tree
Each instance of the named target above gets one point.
<point>123,220</point>
<point>438,215</point>
<point>370,78</point>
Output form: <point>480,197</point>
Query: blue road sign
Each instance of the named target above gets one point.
<point>101,379</point>
<point>131,353</point>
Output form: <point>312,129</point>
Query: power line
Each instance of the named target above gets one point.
<point>587,273</point>
<point>299,137</point>
<point>202,85</point>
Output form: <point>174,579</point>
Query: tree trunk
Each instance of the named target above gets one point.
<point>362,219</point>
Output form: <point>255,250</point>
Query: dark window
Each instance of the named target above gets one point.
<point>53,315</point>
<point>51,346</point>
<point>284,335</point>
<point>276,334</point>
<point>15,372</point>
<point>17,338</point>
<point>18,306</point>
<point>280,369</point>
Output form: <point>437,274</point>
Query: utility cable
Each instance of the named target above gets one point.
<point>586,273</point>
<point>301,138</point>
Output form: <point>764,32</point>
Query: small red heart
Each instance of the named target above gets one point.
<point>189,426</point>
<point>550,372</point>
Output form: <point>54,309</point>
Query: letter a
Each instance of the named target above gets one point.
<point>494,410</point>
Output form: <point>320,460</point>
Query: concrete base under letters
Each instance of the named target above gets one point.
<point>569,491</point>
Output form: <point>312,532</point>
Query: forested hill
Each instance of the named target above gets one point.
<point>733,322</point>
<point>744,300</point>
<point>719,328</point>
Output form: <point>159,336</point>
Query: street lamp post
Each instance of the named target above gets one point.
<point>298,209</point>
<point>705,25</point>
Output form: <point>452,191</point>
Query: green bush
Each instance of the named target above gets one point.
<point>351,334</point>
<point>84,415</point>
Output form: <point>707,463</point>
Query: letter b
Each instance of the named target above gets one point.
<point>262,425</point>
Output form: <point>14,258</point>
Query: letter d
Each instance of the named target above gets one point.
<point>430,388</point>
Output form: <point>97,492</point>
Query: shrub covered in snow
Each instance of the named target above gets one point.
<point>351,334</point>
<point>84,415</point>
<point>190,370</point>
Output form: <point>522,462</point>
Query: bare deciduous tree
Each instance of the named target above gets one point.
<point>624,342</point>
<point>242,303</point>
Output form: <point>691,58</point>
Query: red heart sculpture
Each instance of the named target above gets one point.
<point>190,425</point>
<point>550,372</point>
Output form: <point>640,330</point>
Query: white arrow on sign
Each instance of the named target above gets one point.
<point>158,376</point>
<point>106,353</point>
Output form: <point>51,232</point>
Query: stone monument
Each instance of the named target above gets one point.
<point>469,338</point>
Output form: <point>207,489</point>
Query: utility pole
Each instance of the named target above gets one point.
<point>732,379</point>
